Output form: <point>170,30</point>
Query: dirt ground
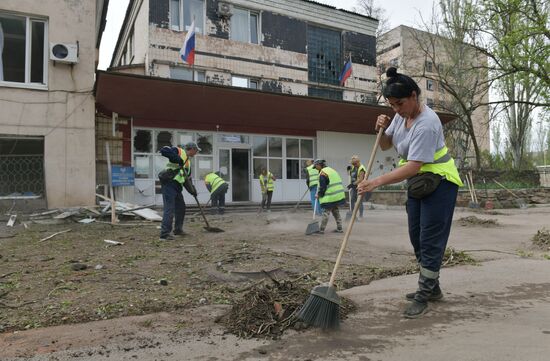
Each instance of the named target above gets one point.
<point>43,283</point>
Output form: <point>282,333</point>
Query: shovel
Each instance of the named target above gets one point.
<point>207,228</point>
<point>313,227</point>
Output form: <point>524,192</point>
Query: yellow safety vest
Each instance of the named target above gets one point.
<point>183,172</point>
<point>443,165</point>
<point>335,190</point>
<point>269,179</point>
<point>361,168</point>
<point>313,174</point>
<point>214,180</point>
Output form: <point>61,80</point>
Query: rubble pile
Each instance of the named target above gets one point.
<point>267,310</point>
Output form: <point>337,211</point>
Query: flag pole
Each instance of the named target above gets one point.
<point>193,65</point>
<point>353,79</point>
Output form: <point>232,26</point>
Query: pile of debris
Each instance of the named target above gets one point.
<point>88,214</point>
<point>267,310</point>
<point>475,221</point>
<point>453,257</point>
<point>542,239</point>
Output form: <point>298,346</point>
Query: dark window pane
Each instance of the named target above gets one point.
<point>259,163</point>
<point>37,52</point>
<point>164,139</point>
<point>324,55</point>
<point>276,167</point>
<point>13,53</point>
<point>260,146</point>
<point>275,147</point>
<point>292,148</point>
<point>142,141</point>
<point>306,148</point>
<point>292,169</point>
<point>254,28</point>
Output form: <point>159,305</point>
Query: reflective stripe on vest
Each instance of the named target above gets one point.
<point>269,178</point>
<point>214,180</point>
<point>335,190</point>
<point>185,171</point>
<point>313,174</point>
<point>443,165</point>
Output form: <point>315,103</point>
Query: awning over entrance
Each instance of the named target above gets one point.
<point>162,102</point>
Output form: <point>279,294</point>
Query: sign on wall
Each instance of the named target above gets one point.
<point>122,176</point>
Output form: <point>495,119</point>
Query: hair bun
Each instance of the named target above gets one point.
<point>391,72</point>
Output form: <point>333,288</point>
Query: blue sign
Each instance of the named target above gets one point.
<point>122,176</point>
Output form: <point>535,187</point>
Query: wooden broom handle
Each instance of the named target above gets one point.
<point>355,209</point>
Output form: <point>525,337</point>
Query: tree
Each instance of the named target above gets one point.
<point>369,8</point>
<point>459,71</point>
<point>518,48</point>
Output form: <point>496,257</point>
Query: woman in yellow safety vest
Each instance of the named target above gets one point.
<point>217,188</point>
<point>417,135</point>
<point>331,194</point>
<point>267,187</point>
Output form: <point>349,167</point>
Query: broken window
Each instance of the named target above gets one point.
<point>164,138</point>
<point>204,141</point>
<point>23,39</point>
<point>244,26</point>
<point>324,47</point>
<point>21,166</point>
<point>142,141</point>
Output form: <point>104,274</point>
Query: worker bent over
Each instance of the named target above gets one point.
<point>331,194</point>
<point>217,188</point>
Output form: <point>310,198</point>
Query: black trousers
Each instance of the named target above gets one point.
<point>266,199</point>
<point>218,197</point>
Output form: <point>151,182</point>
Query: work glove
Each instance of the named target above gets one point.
<point>350,186</point>
<point>189,187</point>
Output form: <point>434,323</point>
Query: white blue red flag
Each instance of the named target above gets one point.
<point>346,72</point>
<point>187,52</point>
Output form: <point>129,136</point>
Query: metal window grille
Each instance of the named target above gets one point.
<point>21,174</point>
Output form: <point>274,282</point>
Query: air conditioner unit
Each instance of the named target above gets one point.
<point>64,53</point>
<point>225,10</point>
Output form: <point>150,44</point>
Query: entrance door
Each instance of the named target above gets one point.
<point>240,175</point>
<point>225,170</point>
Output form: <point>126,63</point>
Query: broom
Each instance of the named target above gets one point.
<point>322,308</point>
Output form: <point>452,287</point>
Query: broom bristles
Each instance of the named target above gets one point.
<point>320,311</point>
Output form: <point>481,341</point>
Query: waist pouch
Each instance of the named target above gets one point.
<point>167,175</point>
<point>423,184</point>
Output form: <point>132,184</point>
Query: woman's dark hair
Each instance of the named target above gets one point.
<point>399,85</point>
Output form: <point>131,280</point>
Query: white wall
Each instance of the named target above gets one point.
<point>337,149</point>
<point>63,112</point>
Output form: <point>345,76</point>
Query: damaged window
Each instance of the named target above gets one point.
<point>164,138</point>
<point>142,141</point>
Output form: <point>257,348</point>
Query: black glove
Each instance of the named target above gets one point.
<point>189,187</point>
<point>350,186</point>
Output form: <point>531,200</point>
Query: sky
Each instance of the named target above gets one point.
<point>399,12</point>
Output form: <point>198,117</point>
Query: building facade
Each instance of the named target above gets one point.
<point>272,52</point>
<point>48,56</point>
<point>432,62</point>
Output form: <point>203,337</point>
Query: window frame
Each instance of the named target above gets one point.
<point>248,82</point>
<point>258,26</point>
<point>430,85</point>
<point>181,25</point>
<point>428,66</point>
<point>28,47</point>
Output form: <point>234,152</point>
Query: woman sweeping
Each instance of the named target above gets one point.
<point>432,180</point>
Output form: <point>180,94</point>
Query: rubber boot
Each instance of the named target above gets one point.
<point>427,282</point>
<point>436,295</point>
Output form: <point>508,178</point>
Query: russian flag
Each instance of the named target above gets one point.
<point>187,52</point>
<point>346,72</point>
